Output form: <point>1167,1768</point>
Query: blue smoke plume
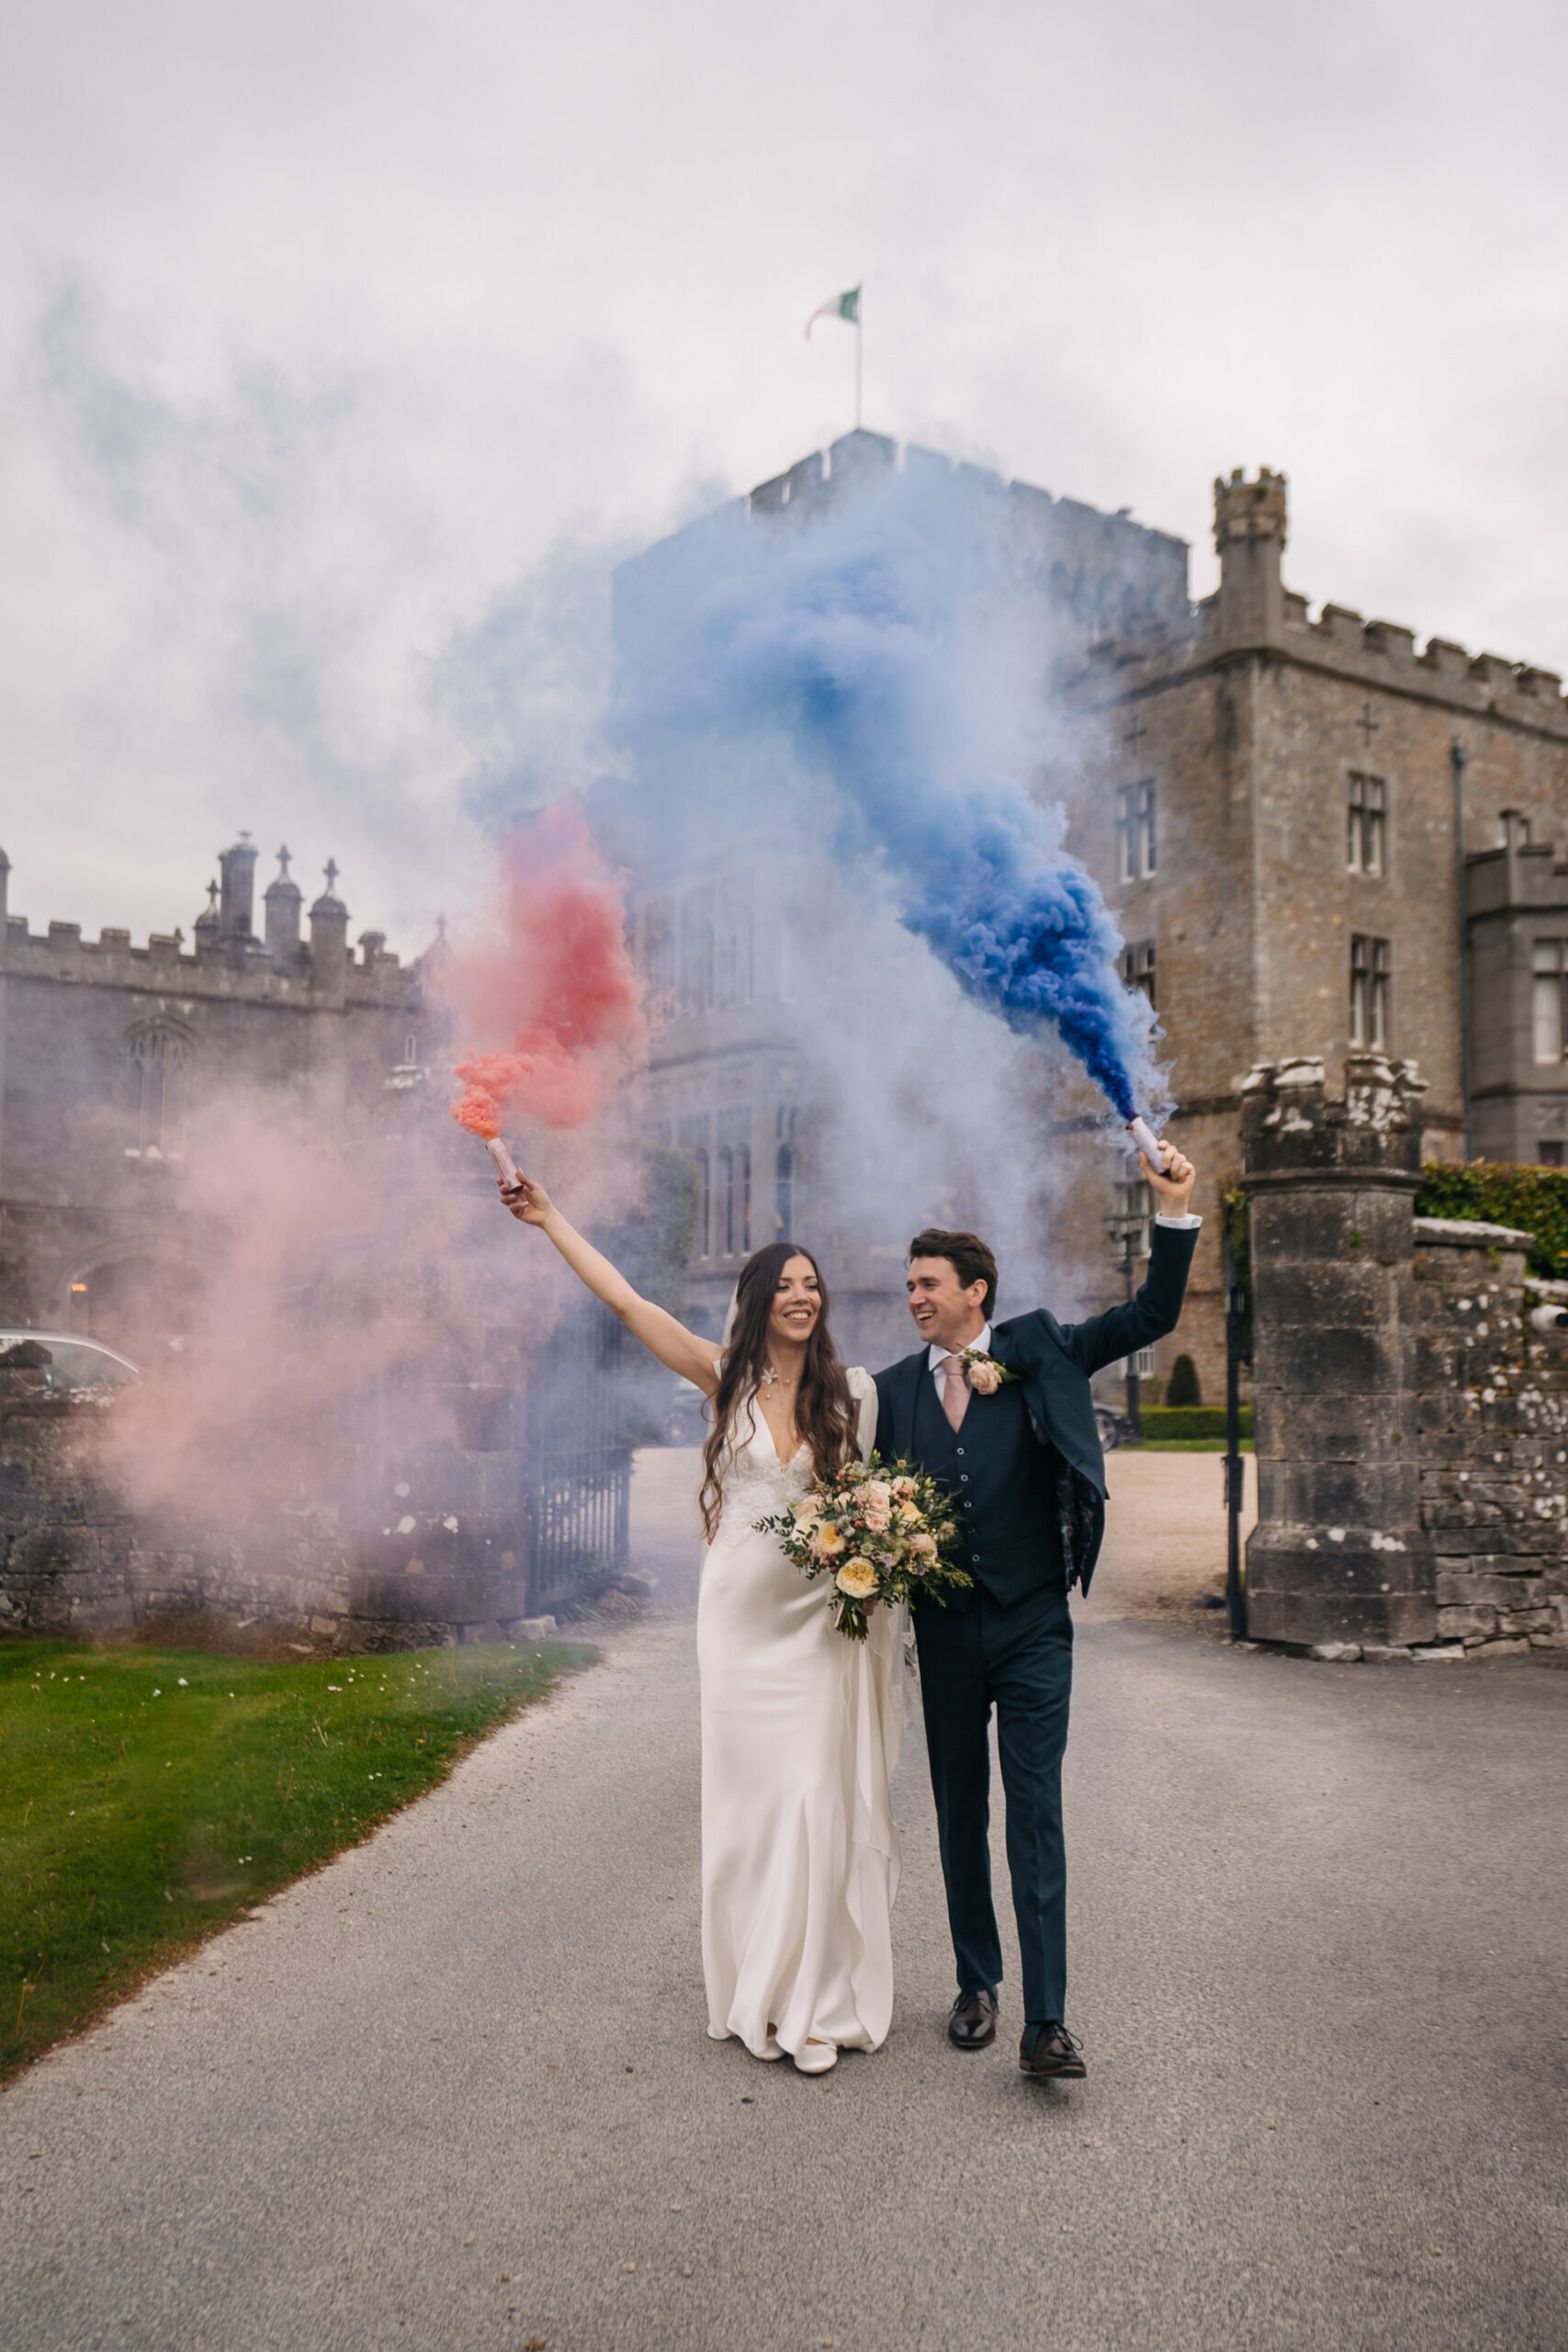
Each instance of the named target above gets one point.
<point>875,668</point>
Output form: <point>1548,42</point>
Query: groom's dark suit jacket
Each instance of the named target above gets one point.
<point>1054,1362</point>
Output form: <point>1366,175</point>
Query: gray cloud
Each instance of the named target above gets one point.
<point>334,338</point>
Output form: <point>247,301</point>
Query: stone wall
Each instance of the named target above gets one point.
<point>1492,1411</point>
<point>65,1531</point>
<point>75,1558</point>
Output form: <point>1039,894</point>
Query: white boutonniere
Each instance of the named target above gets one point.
<point>985,1375</point>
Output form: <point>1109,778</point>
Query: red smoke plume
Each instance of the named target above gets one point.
<point>561,987</point>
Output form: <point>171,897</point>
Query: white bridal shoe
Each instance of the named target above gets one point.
<point>816,2057</point>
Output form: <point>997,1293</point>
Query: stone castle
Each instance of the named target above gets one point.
<point>1309,829</point>
<point>107,1053</point>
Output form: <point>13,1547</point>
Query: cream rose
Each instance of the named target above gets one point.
<point>858,1578</point>
<point>807,1511</point>
<point>907,1515</point>
<point>826,1543</point>
<point>923,1544</point>
<point>904,1489</point>
<point>984,1377</point>
<point>877,1495</point>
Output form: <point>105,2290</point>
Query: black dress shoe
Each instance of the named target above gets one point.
<point>973,2021</point>
<point>1050,2049</point>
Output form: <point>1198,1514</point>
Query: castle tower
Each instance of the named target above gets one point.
<point>283,899</point>
<point>207,927</point>
<point>237,866</point>
<point>329,940</point>
<point>1249,537</point>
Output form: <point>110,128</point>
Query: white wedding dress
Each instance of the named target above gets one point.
<point>801,1731</point>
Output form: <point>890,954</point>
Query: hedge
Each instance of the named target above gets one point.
<point>1189,1421</point>
<point>1532,1200</point>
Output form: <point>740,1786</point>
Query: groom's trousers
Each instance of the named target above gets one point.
<point>976,1655</point>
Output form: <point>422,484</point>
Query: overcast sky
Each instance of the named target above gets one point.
<point>344,346</point>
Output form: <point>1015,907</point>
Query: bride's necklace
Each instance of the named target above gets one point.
<point>771,1379</point>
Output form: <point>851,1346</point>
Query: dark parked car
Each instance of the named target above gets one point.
<point>64,1360</point>
<point>1114,1428</point>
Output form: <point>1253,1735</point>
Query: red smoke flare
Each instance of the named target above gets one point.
<point>562,987</point>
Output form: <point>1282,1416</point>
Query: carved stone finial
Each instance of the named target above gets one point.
<point>282,855</point>
<point>331,871</point>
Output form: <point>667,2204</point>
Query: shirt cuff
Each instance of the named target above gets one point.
<point>1188,1224</point>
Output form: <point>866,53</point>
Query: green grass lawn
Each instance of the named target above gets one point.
<point>147,1797</point>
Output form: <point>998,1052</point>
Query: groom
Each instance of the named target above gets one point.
<point>1020,1454</point>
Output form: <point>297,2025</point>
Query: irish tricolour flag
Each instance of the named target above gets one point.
<point>842,306</point>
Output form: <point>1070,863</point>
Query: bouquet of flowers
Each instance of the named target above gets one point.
<point>882,1530</point>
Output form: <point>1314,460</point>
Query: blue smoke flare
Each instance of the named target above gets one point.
<point>891,646</point>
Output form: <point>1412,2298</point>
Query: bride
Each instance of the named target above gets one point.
<point>800,1727</point>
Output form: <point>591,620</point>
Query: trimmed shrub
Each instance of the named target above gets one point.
<point>1183,1386</point>
<point>1189,1421</point>
<point>1532,1200</point>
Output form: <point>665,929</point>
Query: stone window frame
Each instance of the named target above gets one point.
<point>660,928</point>
<point>693,1133</point>
<point>1371,992</point>
<point>1549,997</point>
<point>1137,830</point>
<point>735,954</point>
<point>152,1050</point>
<point>1366,824</point>
<point>735,1192</point>
<point>785,1176</point>
<point>1132,1217</point>
<point>1139,969</point>
<point>698,951</point>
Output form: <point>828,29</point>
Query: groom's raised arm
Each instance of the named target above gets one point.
<point>1157,1309</point>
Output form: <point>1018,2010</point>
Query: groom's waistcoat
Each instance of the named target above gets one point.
<point>1001,1485</point>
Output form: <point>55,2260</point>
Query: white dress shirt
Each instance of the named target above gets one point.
<point>937,1355</point>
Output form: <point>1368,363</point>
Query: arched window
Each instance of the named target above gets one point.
<point>783,1193</point>
<point>704,1205</point>
<point>658,948</point>
<point>696,953</point>
<point>727,1199</point>
<point>157,1058</point>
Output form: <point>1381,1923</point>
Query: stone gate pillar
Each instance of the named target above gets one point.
<point>1339,1553</point>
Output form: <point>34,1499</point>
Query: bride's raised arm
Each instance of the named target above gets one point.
<point>675,1347</point>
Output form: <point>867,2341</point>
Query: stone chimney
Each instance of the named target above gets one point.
<point>283,899</point>
<point>1249,536</point>
<point>1340,1553</point>
<point>238,867</point>
<point>207,929</point>
<point>329,940</point>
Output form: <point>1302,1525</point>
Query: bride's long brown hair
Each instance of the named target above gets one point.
<point>824,1409</point>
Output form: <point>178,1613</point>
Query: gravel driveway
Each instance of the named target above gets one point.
<point>455,2090</point>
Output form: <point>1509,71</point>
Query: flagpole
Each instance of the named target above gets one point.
<point>857,364</point>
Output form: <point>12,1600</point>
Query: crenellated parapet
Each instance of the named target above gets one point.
<point>225,964</point>
<point>1290,1124</point>
<point>1253,610</point>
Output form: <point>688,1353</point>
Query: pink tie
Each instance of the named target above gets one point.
<point>955,1389</point>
